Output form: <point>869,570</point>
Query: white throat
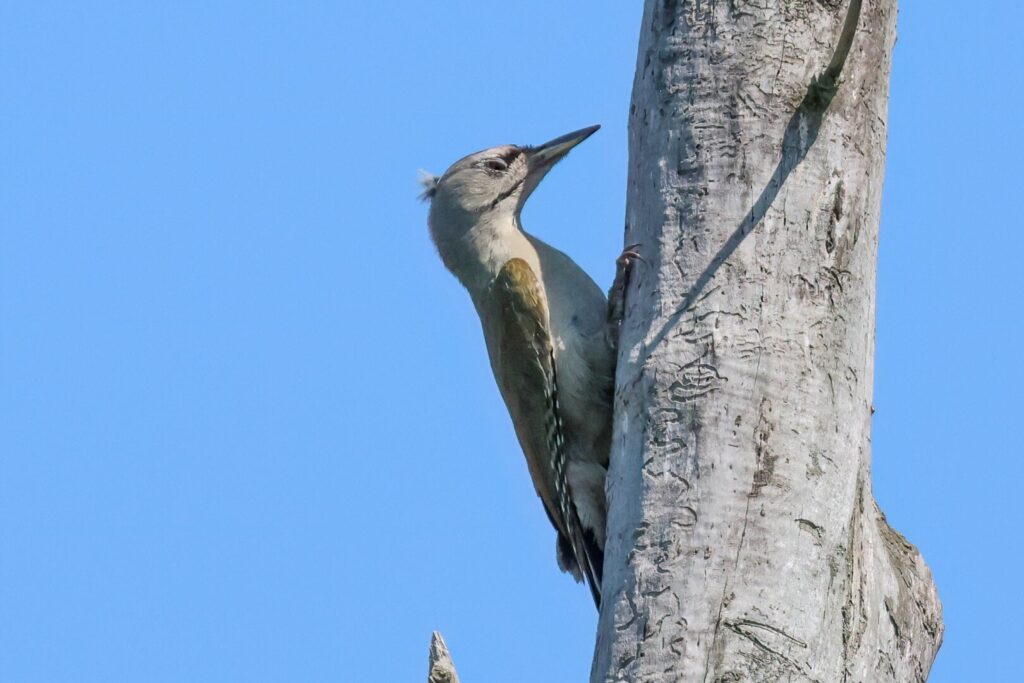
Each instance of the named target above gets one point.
<point>476,254</point>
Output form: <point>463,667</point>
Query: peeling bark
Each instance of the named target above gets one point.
<point>744,543</point>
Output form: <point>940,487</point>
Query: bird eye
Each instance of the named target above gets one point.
<point>496,165</point>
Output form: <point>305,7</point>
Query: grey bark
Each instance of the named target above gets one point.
<point>744,543</point>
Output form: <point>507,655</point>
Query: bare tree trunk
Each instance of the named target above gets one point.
<point>744,542</point>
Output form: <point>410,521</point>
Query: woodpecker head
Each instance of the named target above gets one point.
<point>495,181</point>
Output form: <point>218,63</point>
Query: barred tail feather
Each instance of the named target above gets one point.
<point>588,557</point>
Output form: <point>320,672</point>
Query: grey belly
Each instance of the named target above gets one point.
<point>585,386</point>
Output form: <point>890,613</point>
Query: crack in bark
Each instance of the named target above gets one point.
<point>764,457</point>
<point>814,529</point>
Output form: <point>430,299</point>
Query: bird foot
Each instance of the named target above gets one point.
<point>617,294</point>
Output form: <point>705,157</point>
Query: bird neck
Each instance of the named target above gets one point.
<point>477,253</point>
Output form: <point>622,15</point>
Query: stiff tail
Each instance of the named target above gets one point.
<point>580,543</point>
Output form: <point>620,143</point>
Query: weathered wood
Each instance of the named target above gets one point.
<point>744,543</point>
<point>442,670</point>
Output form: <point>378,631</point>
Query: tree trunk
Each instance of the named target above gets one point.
<point>744,543</point>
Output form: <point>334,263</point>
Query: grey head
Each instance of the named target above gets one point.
<point>493,183</point>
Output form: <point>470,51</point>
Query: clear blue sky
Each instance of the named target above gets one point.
<point>247,427</point>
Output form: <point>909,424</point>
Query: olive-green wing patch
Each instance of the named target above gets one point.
<point>523,359</point>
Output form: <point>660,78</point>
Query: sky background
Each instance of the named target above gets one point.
<point>247,426</point>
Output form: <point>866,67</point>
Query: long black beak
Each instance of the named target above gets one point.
<point>551,152</point>
<point>541,159</point>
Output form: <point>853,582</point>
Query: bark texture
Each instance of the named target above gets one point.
<point>744,543</point>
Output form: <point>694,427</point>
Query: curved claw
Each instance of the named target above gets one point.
<point>630,254</point>
<point>617,293</point>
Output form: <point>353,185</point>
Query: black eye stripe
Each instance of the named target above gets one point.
<point>506,194</point>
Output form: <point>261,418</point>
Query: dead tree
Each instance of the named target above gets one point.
<point>744,541</point>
